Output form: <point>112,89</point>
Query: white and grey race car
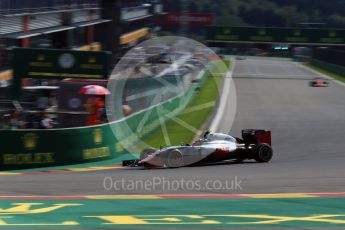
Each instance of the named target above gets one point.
<point>214,147</point>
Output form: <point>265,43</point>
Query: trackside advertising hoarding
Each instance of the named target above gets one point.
<point>58,64</point>
<point>175,18</point>
<point>275,35</point>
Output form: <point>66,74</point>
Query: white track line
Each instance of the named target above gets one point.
<point>225,93</point>
<point>320,74</point>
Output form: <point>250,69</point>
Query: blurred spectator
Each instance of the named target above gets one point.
<point>127,110</point>
<point>103,115</point>
<point>95,105</point>
<point>5,121</point>
<point>15,121</point>
<point>47,122</point>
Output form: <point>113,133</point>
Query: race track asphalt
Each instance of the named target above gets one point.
<point>308,131</point>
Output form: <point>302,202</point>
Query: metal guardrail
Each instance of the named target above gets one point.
<point>338,69</point>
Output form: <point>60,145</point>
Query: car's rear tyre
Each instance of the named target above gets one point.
<point>263,153</point>
<point>174,159</point>
<point>146,152</point>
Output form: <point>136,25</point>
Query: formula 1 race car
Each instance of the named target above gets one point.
<point>213,147</point>
<point>319,82</point>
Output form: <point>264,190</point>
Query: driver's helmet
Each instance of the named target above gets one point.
<point>207,135</point>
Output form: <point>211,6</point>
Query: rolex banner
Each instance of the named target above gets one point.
<point>27,149</point>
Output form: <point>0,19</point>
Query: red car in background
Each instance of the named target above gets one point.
<point>319,82</point>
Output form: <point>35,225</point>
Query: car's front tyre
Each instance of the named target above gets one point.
<point>174,159</point>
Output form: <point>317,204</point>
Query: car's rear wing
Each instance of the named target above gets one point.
<point>255,136</point>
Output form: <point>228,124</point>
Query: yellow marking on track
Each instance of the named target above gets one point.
<point>279,195</point>
<point>80,169</point>
<point>93,168</point>
<point>115,197</point>
<point>100,167</point>
<point>271,219</point>
<point>9,173</point>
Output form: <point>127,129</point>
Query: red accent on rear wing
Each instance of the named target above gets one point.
<point>264,137</point>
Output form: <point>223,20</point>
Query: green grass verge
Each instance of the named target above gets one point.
<point>326,72</point>
<point>183,128</point>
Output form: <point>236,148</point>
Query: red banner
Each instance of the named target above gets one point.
<point>189,18</point>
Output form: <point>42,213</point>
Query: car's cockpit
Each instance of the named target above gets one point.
<point>212,137</point>
<point>219,136</point>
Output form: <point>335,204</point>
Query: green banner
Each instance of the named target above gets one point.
<point>58,64</point>
<point>275,35</point>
